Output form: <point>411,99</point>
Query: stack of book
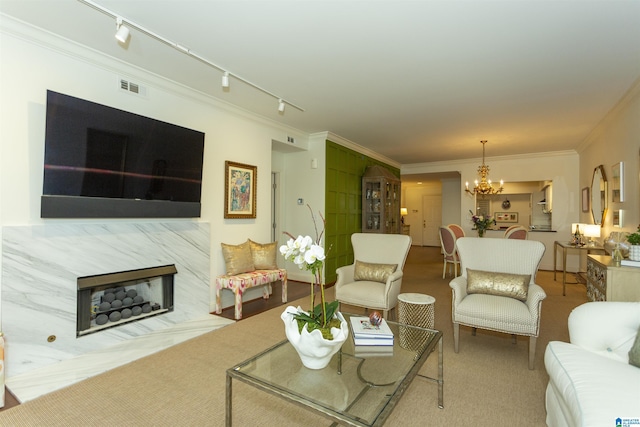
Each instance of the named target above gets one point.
<point>630,263</point>
<point>367,334</point>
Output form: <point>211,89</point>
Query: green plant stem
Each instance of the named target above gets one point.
<point>324,309</point>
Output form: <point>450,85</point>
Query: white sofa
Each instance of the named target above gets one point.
<point>591,382</point>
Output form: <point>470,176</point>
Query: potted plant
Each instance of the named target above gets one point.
<point>634,241</point>
<point>319,333</point>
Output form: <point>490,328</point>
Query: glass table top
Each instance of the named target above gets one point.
<point>361,384</point>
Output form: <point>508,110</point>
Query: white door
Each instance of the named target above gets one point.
<point>431,220</point>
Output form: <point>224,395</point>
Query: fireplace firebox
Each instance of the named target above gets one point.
<point>108,300</point>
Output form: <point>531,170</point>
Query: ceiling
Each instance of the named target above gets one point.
<point>416,81</point>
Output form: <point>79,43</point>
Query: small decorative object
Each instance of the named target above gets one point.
<point>240,190</point>
<point>318,334</point>
<point>481,222</point>
<point>634,249</point>
<point>375,318</point>
<point>577,238</point>
<point>506,204</point>
<point>616,257</point>
<point>617,239</point>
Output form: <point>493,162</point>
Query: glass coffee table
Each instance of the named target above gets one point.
<point>361,385</point>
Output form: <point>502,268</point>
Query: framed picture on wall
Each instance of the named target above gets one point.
<point>585,199</point>
<point>240,190</point>
<point>507,216</point>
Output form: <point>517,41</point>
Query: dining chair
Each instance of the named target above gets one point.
<point>450,254</point>
<point>516,232</point>
<point>457,230</point>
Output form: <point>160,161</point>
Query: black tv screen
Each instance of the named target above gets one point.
<point>102,162</point>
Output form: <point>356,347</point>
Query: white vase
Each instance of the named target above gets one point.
<point>315,352</point>
<point>634,252</point>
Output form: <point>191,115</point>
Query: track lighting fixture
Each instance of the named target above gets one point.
<point>122,32</point>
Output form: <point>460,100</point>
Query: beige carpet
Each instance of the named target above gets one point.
<point>486,384</point>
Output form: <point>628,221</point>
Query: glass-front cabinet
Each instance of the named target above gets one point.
<point>380,201</point>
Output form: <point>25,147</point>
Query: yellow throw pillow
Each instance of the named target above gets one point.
<point>501,284</point>
<point>237,258</point>
<point>373,272</point>
<point>264,255</point>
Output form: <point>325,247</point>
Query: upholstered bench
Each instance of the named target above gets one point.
<point>239,282</point>
<point>248,265</point>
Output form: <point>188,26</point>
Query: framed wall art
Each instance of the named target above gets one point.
<point>617,182</point>
<point>240,190</point>
<point>585,199</point>
<point>507,216</point>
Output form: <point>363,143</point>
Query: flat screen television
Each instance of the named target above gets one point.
<point>102,162</point>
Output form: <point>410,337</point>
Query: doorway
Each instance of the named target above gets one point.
<point>431,220</point>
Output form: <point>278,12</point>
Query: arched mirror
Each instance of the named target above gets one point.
<point>599,195</point>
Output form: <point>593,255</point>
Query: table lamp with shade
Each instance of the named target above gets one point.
<point>403,212</point>
<point>591,231</point>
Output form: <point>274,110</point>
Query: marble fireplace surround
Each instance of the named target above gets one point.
<point>40,267</point>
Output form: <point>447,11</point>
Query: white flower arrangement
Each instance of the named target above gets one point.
<point>309,254</point>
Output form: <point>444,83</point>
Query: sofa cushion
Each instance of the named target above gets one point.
<point>264,255</point>
<point>373,272</point>
<point>237,258</point>
<point>500,284</point>
<point>634,353</point>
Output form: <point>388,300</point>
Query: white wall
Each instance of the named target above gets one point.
<point>616,139</point>
<point>301,181</point>
<point>33,61</point>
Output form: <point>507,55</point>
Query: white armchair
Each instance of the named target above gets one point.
<point>498,313</point>
<point>374,249</point>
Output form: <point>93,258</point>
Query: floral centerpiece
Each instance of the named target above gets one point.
<point>319,333</point>
<point>481,222</point>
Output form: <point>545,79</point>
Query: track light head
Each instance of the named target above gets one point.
<point>122,32</point>
<point>281,106</point>
<point>225,80</point>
